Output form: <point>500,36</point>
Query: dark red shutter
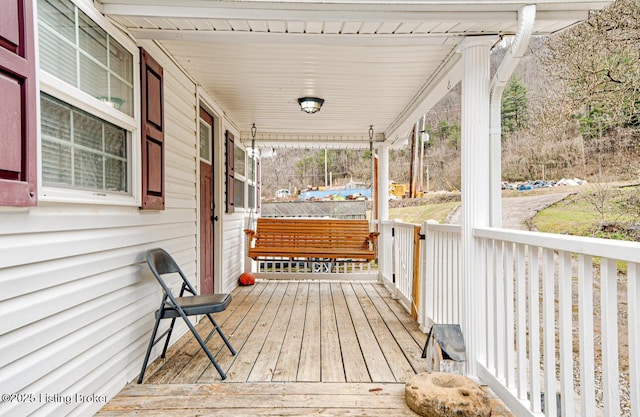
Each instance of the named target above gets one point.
<point>230,195</point>
<point>257,184</point>
<point>18,164</point>
<point>153,191</point>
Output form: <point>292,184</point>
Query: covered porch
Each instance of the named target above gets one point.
<point>378,68</point>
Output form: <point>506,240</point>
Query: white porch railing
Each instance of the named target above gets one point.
<point>317,270</point>
<point>557,303</point>
<point>440,275</point>
<point>398,256</point>
<point>564,303</point>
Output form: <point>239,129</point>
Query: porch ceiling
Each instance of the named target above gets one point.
<point>380,63</point>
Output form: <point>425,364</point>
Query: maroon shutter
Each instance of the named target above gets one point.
<point>257,184</point>
<point>230,172</point>
<point>153,191</point>
<point>18,164</point>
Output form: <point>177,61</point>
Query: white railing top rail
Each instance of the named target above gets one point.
<point>445,228</point>
<point>615,249</point>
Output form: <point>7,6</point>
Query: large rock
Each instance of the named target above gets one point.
<point>437,394</point>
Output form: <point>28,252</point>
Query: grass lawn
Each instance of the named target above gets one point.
<point>418,214</point>
<point>578,215</point>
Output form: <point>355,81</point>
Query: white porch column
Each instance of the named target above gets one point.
<point>385,256</point>
<point>383,181</point>
<point>475,189</point>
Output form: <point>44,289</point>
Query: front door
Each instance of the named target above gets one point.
<point>206,203</point>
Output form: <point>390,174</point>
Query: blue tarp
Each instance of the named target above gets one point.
<point>345,194</point>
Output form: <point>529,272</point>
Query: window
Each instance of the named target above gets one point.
<point>86,107</point>
<point>239,166</point>
<point>81,150</point>
<point>206,133</point>
<point>76,50</point>
<point>252,180</point>
<point>252,196</point>
<point>238,193</point>
<point>239,161</point>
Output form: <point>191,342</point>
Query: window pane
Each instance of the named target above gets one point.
<point>238,191</point>
<point>115,140</point>
<point>87,131</point>
<point>121,96</point>
<point>104,68</point>
<point>56,120</point>
<point>97,157</point>
<point>56,163</point>
<point>250,169</point>
<point>205,141</point>
<point>252,196</point>
<point>93,39</point>
<point>93,78</point>
<point>87,169</point>
<point>115,175</point>
<point>60,16</point>
<point>58,57</point>
<point>120,61</point>
<point>238,165</point>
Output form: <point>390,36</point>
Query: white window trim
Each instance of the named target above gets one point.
<point>57,88</point>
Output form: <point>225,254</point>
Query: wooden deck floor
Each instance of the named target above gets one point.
<point>304,348</point>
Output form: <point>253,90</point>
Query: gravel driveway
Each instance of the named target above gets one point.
<point>517,211</point>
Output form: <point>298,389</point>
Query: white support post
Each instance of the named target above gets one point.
<point>475,188</point>
<point>383,182</point>
<point>384,258</point>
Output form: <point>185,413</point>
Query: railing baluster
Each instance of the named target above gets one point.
<point>521,323</point>
<point>501,306</point>
<point>455,260</point>
<point>549,333</point>
<point>534,330</point>
<point>633,299</point>
<point>609,327</point>
<point>565,279</point>
<point>509,357</point>
<point>489,273</point>
<point>585,306</point>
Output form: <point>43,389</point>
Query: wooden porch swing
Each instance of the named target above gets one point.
<point>312,239</point>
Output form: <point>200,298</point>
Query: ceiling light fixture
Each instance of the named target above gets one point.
<point>310,104</point>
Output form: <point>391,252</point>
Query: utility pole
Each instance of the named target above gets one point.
<point>326,178</point>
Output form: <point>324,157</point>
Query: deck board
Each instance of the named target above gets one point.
<point>396,359</point>
<point>287,367</point>
<point>265,364</point>
<point>355,368</point>
<point>309,369</point>
<point>330,353</point>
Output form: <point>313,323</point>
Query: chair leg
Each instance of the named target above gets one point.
<point>203,345</point>
<point>219,330</point>
<point>146,356</point>
<point>166,343</point>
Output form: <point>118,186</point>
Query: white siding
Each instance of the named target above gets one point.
<point>76,298</point>
<point>233,251</point>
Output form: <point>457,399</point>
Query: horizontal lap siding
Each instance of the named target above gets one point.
<point>76,298</point>
<point>233,249</point>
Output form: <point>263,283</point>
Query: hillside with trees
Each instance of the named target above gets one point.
<point>572,109</point>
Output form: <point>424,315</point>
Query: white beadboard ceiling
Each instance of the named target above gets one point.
<point>380,63</point>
